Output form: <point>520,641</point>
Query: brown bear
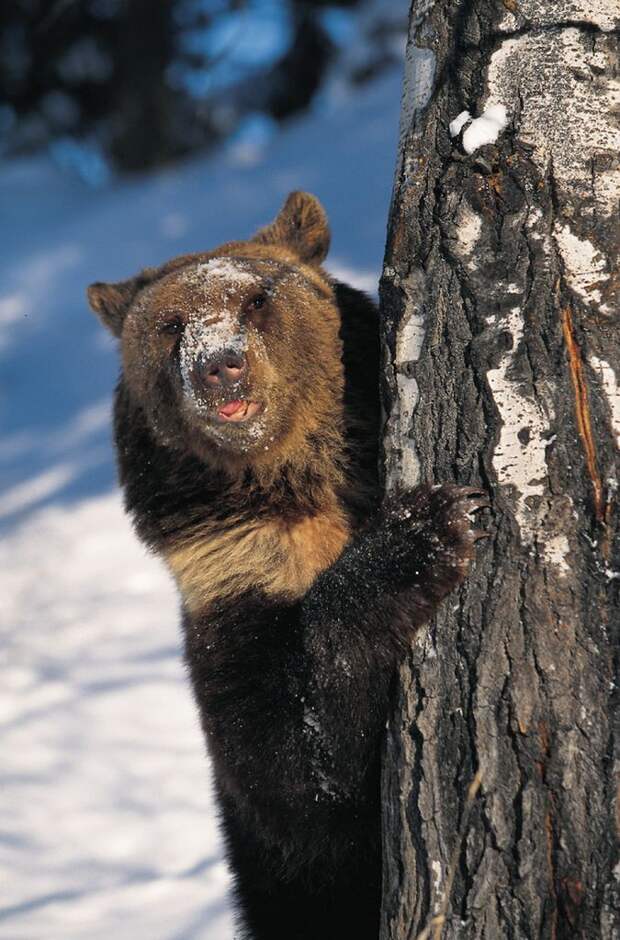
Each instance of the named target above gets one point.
<point>247,423</point>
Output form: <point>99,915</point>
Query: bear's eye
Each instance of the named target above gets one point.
<point>257,302</point>
<point>172,327</point>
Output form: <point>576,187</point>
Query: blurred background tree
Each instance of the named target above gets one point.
<point>127,85</point>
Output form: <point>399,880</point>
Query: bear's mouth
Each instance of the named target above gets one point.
<point>238,410</point>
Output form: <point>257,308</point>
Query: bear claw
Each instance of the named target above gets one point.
<point>436,524</point>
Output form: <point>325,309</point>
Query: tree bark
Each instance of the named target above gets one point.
<point>499,303</point>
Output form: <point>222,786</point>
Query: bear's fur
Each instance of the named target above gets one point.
<point>299,592</point>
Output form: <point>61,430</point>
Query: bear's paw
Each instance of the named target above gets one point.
<point>433,534</point>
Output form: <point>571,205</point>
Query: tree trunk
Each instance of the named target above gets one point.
<point>501,369</point>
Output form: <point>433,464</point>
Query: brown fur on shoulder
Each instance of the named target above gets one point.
<point>281,558</point>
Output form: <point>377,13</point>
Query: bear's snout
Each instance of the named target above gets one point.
<point>215,373</point>
<point>221,370</point>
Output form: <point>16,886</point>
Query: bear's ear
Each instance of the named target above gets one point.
<point>302,226</point>
<point>111,301</point>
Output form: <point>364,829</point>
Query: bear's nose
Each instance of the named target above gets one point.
<point>224,369</point>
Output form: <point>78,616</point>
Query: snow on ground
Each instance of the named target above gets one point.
<point>107,824</point>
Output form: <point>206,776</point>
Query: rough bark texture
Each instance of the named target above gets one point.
<point>499,297</point>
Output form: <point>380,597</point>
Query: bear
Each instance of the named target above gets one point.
<point>247,423</point>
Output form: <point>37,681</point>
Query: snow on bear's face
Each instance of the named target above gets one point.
<point>230,353</point>
<point>231,343</point>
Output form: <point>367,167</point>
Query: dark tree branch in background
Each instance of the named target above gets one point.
<point>140,83</point>
<point>499,298</point>
<point>143,113</point>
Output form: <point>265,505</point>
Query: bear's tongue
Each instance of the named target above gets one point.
<point>232,407</point>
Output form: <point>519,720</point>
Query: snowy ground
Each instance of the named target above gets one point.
<point>107,826</point>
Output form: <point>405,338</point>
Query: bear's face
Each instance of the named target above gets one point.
<point>230,353</point>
